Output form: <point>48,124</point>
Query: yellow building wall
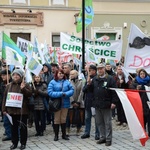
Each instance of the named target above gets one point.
<point>4,2</point>
<point>39,2</point>
<point>75,3</point>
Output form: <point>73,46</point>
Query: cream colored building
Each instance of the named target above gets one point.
<point>47,18</point>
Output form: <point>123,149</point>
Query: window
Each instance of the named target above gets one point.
<point>58,2</point>
<point>19,2</point>
<point>55,40</point>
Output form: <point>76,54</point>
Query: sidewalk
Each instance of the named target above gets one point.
<point>122,140</point>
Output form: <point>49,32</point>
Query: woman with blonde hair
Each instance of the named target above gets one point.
<point>76,102</point>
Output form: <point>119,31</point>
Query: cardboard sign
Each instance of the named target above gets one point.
<point>14,100</point>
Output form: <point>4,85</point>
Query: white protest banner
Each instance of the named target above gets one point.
<point>103,49</point>
<point>138,51</point>
<point>14,100</point>
<point>25,46</point>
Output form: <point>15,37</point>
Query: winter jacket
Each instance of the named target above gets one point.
<point>61,89</point>
<point>88,96</point>
<point>103,96</point>
<point>78,94</point>
<point>40,95</point>
<point>15,87</point>
<point>120,85</point>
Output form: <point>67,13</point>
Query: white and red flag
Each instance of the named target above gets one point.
<point>133,109</point>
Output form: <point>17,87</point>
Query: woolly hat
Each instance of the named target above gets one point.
<point>19,72</point>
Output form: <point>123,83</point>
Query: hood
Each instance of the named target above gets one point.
<point>48,66</point>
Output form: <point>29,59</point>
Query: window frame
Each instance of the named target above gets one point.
<point>57,42</point>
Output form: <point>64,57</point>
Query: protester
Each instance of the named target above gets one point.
<point>110,71</point>
<point>39,96</point>
<point>74,113</point>
<point>19,115</point>
<point>73,65</point>
<point>54,68</point>
<point>88,99</point>
<point>139,83</point>
<point>67,69</point>
<point>60,87</point>
<point>47,76</point>
<point>6,78</point>
<point>120,81</point>
<point>104,101</point>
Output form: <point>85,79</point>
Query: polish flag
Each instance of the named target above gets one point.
<point>133,109</point>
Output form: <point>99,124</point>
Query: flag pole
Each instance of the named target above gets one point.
<point>83,37</point>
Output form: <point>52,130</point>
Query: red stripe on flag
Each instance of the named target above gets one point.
<point>136,103</point>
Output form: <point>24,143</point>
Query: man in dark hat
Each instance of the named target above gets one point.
<point>5,75</point>
<point>88,98</point>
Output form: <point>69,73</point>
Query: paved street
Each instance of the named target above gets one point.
<point>122,140</point>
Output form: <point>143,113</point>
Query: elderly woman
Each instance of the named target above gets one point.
<point>60,87</point>
<point>76,102</point>
<point>141,80</point>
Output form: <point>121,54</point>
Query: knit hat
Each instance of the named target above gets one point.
<point>19,72</point>
<point>4,72</point>
<point>93,67</point>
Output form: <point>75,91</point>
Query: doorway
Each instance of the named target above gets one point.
<point>26,36</point>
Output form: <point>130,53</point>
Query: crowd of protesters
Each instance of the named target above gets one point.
<point>80,100</point>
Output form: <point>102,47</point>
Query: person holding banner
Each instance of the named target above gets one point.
<point>15,103</point>
<point>141,80</point>
<point>6,77</point>
<point>88,99</point>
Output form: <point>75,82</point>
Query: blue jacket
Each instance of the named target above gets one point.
<point>61,88</point>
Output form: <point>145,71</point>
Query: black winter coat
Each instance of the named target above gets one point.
<point>103,96</point>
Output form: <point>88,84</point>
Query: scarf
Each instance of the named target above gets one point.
<point>143,81</point>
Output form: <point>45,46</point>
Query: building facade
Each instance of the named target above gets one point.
<point>45,19</point>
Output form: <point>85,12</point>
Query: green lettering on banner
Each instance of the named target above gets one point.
<point>78,40</point>
<point>100,43</point>
<point>108,44</point>
<point>91,49</point>
<point>71,47</point>
<point>96,51</point>
<point>78,48</point>
<point>113,54</point>
<point>8,96</point>
<point>72,38</point>
<point>64,46</point>
<point>106,52</point>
